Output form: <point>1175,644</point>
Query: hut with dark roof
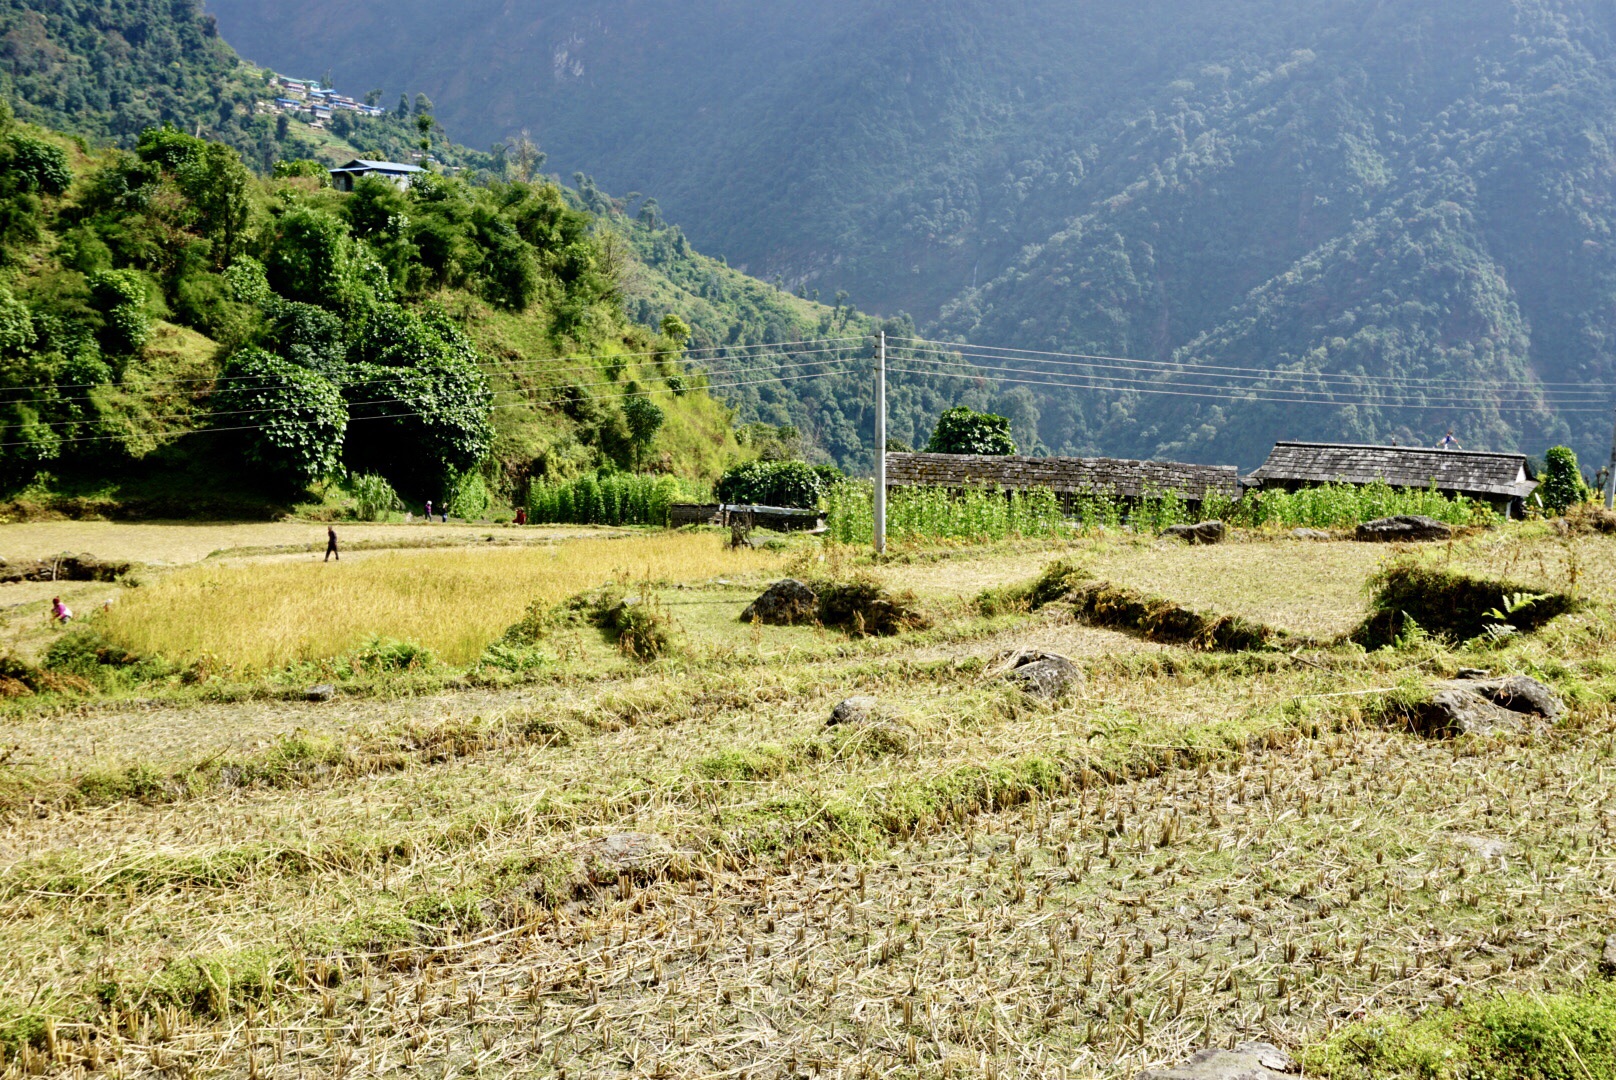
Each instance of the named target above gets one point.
<point>1497,479</point>
<point>1069,478</point>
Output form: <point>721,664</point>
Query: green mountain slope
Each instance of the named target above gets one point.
<point>1418,190</point>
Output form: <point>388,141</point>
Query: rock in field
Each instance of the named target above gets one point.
<point>321,692</point>
<point>1607,960</point>
<point>1042,675</point>
<point>785,603</point>
<point>1521,693</point>
<point>854,710</point>
<point>1309,534</point>
<point>1403,527</point>
<point>1207,532</point>
<point>1464,712</point>
<point>1477,706</point>
<point>1247,1061</point>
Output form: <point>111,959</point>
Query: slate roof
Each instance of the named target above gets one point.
<point>363,165</point>
<point>1065,476</point>
<point>1467,472</point>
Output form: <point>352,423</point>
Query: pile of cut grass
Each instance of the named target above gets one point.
<point>1450,602</point>
<point>1104,604</point>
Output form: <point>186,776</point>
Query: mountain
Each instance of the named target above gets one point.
<point>1411,200</point>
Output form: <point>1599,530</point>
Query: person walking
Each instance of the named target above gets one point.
<point>429,511</point>
<point>1449,442</point>
<point>60,612</point>
<point>331,544</point>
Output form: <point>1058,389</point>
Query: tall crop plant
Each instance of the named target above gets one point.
<point>618,499</point>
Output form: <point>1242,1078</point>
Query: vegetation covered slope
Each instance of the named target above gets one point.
<point>1419,190</point>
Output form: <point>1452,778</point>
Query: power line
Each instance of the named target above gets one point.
<point>1235,395</point>
<point>402,415</point>
<point>1297,394</point>
<point>965,346</point>
<point>686,354</point>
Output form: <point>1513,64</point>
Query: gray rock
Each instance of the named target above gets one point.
<point>1474,673</point>
<point>785,603</point>
<point>1247,1061</point>
<point>1465,712</point>
<point>321,692</point>
<point>854,710</point>
<point>1039,674</point>
<point>1521,693</point>
<point>1607,961</point>
<point>1207,532</point>
<point>1309,534</point>
<point>1403,527</point>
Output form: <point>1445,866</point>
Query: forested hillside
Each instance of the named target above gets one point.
<point>1417,191</point>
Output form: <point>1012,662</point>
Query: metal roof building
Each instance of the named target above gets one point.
<point>1498,479</point>
<point>400,174</point>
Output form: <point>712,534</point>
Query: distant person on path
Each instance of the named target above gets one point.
<point>1449,443</point>
<point>60,612</point>
<point>331,544</point>
<point>443,511</point>
<point>521,517</point>
<point>429,510</point>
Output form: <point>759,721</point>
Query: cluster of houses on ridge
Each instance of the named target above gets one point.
<point>308,100</point>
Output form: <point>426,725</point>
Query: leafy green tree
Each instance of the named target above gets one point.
<point>963,430</point>
<point>294,418</point>
<point>676,330</point>
<point>310,337</point>
<point>120,296</point>
<point>312,259</point>
<point>220,190</point>
<point>36,165</point>
<point>645,418</point>
<point>418,398</point>
<point>1563,486</point>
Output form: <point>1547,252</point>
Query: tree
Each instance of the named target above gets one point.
<point>220,189</point>
<point>794,484</point>
<point>675,330</point>
<point>963,430</point>
<point>312,259</point>
<point>295,418</point>
<point>423,104</point>
<point>120,295</point>
<point>644,418</point>
<point>1563,486</point>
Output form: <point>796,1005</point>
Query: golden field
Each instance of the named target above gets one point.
<point>265,614</point>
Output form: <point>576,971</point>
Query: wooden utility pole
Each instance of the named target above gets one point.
<point>881,444</point>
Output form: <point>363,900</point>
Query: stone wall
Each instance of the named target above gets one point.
<point>1067,477</point>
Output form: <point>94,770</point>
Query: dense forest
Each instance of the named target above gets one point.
<point>1361,191</point>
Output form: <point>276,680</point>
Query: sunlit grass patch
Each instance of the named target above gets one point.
<point>450,603</point>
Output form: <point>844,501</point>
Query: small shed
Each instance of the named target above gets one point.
<point>344,177</point>
<point>1069,478</point>
<point>1499,480</point>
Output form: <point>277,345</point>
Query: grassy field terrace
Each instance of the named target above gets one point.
<point>514,839</point>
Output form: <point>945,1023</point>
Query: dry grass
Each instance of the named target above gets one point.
<point>452,603</point>
<point>1188,849</point>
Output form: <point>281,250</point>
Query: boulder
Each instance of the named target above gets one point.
<point>320,692</point>
<point>1607,959</point>
<point>1247,1061</point>
<point>1207,532</point>
<point>1042,675</point>
<point>1309,534</point>
<point>1521,693</point>
<point>1403,527</point>
<point>785,603</point>
<point>1465,712</point>
<point>853,710</point>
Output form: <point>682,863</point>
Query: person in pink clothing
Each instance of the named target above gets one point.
<point>60,611</point>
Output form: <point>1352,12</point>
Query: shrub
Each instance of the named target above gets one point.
<point>638,624</point>
<point>374,497</point>
<point>793,484</point>
<point>1563,486</point>
<point>39,165</point>
<point>963,430</point>
<point>863,606</point>
<point>120,296</point>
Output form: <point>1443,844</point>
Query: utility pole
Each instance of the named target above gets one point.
<point>1610,480</point>
<point>881,445</point>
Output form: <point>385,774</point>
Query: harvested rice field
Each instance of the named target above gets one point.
<point>603,825</point>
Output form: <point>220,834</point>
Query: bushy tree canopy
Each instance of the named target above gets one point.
<point>292,418</point>
<point>963,430</point>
